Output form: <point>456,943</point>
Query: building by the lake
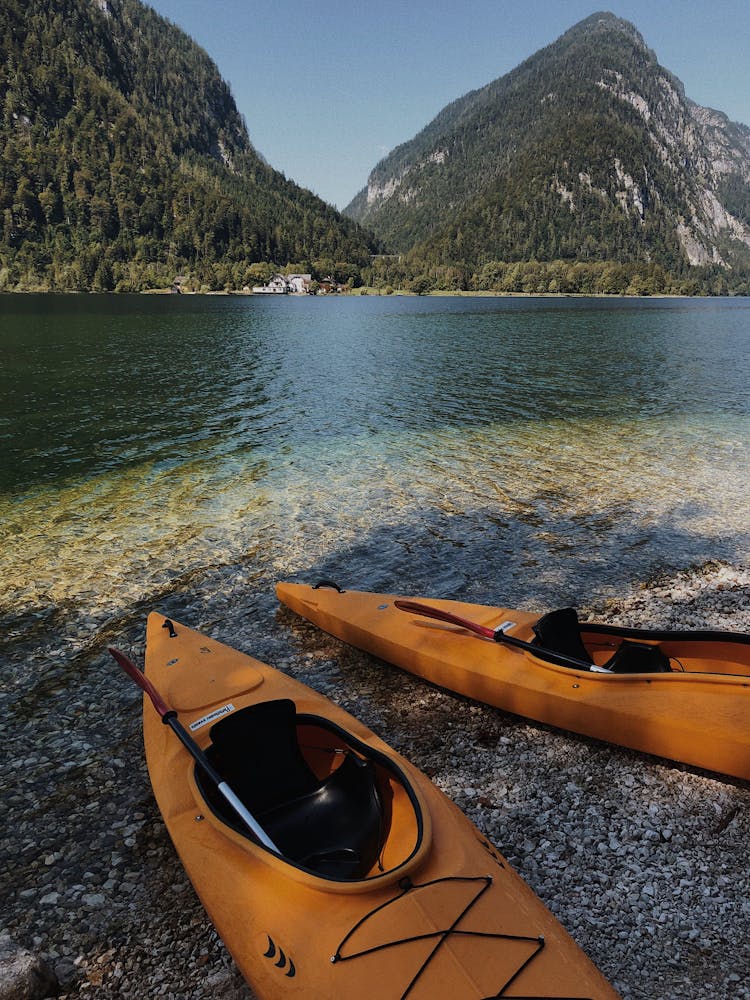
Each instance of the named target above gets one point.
<point>285,284</point>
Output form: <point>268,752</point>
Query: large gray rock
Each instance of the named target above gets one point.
<point>23,976</point>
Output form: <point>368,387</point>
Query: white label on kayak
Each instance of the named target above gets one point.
<point>504,626</point>
<point>200,723</point>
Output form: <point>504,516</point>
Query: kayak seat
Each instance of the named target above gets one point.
<point>560,632</point>
<point>638,658</point>
<point>332,825</point>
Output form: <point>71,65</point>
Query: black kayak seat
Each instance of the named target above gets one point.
<point>560,632</point>
<point>638,658</point>
<point>332,826</point>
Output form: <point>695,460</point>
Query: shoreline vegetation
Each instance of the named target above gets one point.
<point>397,275</point>
<point>366,292</point>
<point>380,293</point>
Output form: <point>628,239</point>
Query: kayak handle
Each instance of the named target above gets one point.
<point>327,583</point>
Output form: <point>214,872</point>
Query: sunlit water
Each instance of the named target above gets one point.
<point>194,450</point>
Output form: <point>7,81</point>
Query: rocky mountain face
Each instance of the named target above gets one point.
<point>589,150</point>
<point>718,151</point>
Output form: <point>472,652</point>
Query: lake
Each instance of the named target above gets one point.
<point>522,451</point>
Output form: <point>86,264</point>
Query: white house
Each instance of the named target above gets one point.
<point>290,284</point>
<point>299,284</point>
<point>277,285</point>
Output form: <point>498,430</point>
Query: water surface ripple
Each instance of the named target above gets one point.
<point>530,451</point>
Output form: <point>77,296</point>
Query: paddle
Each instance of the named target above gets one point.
<point>169,718</point>
<point>497,635</point>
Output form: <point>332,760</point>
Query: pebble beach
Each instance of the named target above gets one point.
<point>643,861</point>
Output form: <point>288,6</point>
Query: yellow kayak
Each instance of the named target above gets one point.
<point>680,695</point>
<point>375,886</point>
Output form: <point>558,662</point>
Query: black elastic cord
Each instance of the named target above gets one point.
<point>453,930</point>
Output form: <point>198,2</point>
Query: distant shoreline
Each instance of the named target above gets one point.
<point>374,293</point>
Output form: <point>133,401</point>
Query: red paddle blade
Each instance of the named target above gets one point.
<point>141,680</point>
<point>444,616</point>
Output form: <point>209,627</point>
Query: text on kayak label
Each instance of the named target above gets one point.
<point>199,723</point>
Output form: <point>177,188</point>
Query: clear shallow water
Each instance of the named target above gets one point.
<point>524,451</point>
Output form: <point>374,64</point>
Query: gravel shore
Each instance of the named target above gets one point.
<point>643,861</point>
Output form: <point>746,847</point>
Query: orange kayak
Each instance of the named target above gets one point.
<point>379,886</point>
<point>680,695</point>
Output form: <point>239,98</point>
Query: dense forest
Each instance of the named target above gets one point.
<point>125,162</point>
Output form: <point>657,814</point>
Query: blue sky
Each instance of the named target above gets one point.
<point>328,88</point>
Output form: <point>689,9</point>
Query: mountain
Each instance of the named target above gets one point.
<point>587,151</point>
<point>124,160</point>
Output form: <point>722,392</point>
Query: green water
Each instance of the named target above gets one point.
<point>529,451</point>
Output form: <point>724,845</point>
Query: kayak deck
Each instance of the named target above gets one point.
<point>697,712</point>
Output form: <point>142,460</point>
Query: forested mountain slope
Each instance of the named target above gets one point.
<point>124,160</point>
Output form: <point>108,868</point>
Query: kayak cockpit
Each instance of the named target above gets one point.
<point>559,633</point>
<point>621,650</point>
<point>333,806</point>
